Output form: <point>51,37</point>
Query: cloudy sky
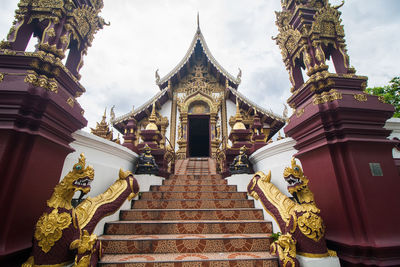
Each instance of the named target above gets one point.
<point>147,35</point>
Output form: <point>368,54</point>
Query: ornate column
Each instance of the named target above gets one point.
<point>173,121</point>
<point>182,141</point>
<point>214,142</point>
<point>340,137</point>
<point>38,111</point>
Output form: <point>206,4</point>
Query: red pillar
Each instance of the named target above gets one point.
<point>338,137</point>
<point>35,131</point>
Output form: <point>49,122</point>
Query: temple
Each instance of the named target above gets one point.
<point>203,175</point>
<point>197,111</point>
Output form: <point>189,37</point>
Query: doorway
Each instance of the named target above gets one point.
<point>199,136</point>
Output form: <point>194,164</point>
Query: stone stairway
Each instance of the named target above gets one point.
<point>193,219</point>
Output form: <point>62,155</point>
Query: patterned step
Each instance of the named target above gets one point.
<point>196,177</point>
<point>194,182</point>
<point>248,259</point>
<point>187,227</point>
<point>193,204</point>
<point>191,214</point>
<point>140,244</point>
<point>180,188</point>
<point>194,195</point>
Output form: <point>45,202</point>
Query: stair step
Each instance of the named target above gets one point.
<point>194,182</point>
<point>188,227</point>
<point>193,204</point>
<point>193,243</point>
<point>192,214</point>
<point>249,259</point>
<point>197,177</point>
<point>193,195</point>
<point>181,188</point>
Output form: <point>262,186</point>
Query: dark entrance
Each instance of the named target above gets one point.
<point>199,136</point>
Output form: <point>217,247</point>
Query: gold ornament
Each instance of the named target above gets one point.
<point>49,228</point>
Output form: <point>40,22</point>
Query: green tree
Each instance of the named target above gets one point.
<point>390,94</point>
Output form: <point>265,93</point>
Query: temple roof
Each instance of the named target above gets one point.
<point>198,41</point>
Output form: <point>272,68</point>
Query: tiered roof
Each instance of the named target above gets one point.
<point>198,45</point>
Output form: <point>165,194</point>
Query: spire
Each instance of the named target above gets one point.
<point>198,22</point>
<point>152,120</point>
<point>239,125</point>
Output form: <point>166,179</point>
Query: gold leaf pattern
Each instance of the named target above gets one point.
<point>49,228</point>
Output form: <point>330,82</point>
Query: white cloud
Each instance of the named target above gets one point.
<point>146,35</point>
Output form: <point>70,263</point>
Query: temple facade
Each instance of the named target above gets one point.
<point>196,110</point>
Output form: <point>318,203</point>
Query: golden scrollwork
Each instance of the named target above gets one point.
<point>1,77</point>
<point>285,248</point>
<point>311,225</point>
<point>49,228</point>
<point>299,112</point>
<point>360,97</point>
<point>327,97</point>
<point>381,98</point>
<point>43,81</point>
<point>71,101</point>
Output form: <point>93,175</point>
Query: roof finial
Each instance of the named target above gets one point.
<point>198,21</point>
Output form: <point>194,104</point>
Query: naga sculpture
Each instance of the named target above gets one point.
<point>303,231</point>
<point>63,234</point>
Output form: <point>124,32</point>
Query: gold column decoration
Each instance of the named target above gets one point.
<point>182,141</point>
<point>173,121</point>
<point>214,141</point>
<point>224,119</point>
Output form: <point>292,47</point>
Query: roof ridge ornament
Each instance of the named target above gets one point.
<point>157,77</point>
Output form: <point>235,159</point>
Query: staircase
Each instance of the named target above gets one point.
<point>193,219</point>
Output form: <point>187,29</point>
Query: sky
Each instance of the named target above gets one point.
<point>147,35</point>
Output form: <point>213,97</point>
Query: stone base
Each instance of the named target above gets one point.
<point>318,262</point>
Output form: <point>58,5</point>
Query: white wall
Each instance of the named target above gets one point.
<point>230,111</point>
<point>106,158</point>
<point>275,157</point>
<point>394,125</point>
<point>165,111</point>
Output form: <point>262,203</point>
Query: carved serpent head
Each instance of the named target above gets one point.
<point>79,178</point>
<point>295,178</point>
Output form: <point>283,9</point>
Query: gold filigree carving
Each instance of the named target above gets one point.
<point>381,98</point>
<point>299,112</point>
<point>360,97</point>
<point>41,81</point>
<point>311,225</point>
<point>1,77</point>
<point>71,102</point>
<point>285,248</point>
<point>49,228</point>
<point>327,97</point>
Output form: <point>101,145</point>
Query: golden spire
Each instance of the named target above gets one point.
<point>102,128</point>
<point>239,125</point>
<point>152,120</point>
